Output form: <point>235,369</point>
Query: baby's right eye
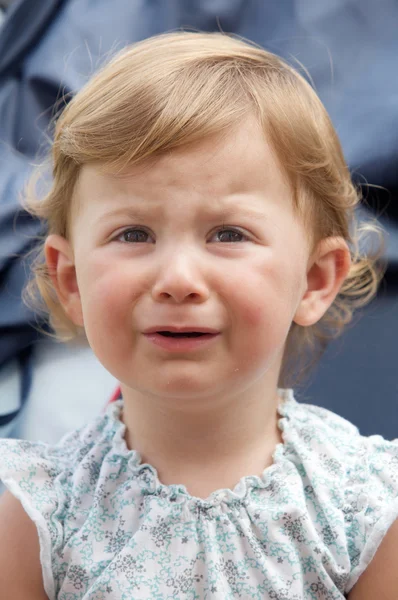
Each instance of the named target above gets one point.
<point>133,236</point>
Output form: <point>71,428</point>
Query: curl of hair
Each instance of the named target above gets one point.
<point>176,89</point>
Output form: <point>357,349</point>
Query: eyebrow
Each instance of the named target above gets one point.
<point>138,212</point>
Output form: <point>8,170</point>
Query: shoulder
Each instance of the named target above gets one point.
<point>320,430</point>
<point>20,568</point>
<point>43,462</point>
<point>312,431</point>
<point>324,419</point>
<point>45,475</point>
<point>363,467</point>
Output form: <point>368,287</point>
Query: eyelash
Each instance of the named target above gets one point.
<point>142,229</point>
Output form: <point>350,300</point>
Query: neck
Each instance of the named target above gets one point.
<point>228,438</point>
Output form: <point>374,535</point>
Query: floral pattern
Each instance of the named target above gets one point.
<point>110,530</point>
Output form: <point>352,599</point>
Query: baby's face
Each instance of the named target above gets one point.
<point>203,237</point>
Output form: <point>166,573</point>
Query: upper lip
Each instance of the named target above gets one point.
<point>177,329</point>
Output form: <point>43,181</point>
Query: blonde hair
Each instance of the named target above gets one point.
<point>176,89</point>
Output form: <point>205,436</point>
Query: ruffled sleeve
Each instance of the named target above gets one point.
<point>351,484</point>
<point>56,484</point>
<point>30,474</point>
<point>42,477</point>
<point>371,497</point>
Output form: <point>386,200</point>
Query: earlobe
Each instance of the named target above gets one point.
<point>61,267</point>
<point>326,274</point>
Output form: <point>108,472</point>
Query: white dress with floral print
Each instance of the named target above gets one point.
<point>110,530</point>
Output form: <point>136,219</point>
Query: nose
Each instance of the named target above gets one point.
<point>179,279</point>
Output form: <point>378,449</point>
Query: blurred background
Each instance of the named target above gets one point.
<point>49,48</point>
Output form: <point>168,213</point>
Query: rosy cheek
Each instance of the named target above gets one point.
<point>100,293</point>
<point>253,314</point>
<point>252,296</point>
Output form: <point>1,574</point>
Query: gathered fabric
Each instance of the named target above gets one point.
<point>110,529</point>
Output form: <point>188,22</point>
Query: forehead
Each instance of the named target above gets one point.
<point>240,161</point>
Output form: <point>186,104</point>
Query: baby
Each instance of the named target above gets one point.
<point>201,236</point>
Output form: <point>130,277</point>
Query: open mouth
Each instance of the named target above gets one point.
<point>185,334</point>
<point>180,341</point>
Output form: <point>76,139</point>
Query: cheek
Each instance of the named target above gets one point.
<point>107,315</point>
<point>253,311</point>
<point>107,295</point>
<point>266,295</point>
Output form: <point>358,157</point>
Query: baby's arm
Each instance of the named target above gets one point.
<point>20,569</point>
<point>380,579</point>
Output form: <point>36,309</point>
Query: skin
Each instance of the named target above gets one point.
<point>20,569</point>
<point>207,418</point>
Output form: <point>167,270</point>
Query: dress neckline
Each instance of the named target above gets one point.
<point>178,493</point>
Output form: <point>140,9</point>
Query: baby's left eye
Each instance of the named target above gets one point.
<point>229,234</point>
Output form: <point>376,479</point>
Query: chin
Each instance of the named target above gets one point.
<point>183,388</point>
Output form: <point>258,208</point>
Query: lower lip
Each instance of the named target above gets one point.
<point>172,344</point>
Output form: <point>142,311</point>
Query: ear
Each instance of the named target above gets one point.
<point>61,268</point>
<point>327,271</point>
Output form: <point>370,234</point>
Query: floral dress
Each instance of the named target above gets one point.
<point>110,530</point>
